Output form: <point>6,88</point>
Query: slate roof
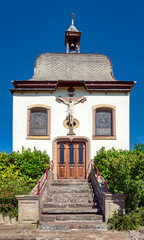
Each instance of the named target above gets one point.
<point>73,67</point>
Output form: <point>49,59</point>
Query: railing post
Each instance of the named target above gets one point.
<point>92,163</point>
<point>97,173</point>
<point>47,174</point>
<point>104,188</point>
<point>38,187</point>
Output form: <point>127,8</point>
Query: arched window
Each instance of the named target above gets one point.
<point>38,122</point>
<point>104,122</point>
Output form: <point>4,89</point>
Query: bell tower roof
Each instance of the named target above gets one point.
<point>72,28</point>
<point>72,38</point>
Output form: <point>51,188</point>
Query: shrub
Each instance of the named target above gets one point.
<point>19,172</point>
<point>122,221</point>
<point>11,185</point>
<point>124,171</point>
<point>30,164</point>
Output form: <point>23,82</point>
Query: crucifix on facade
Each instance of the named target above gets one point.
<point>70,110</point>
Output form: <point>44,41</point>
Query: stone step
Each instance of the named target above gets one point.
<point>72,226</point>
<point>74,184</point>
<point>70,190</point>
<point>70,181</point>
<point>71,195</point>
<point>86,210</point>
<point>69,205</point>
<point>65,188</point>
<point>77,217</point>
<point>70,200</point>
<point>70,184</point>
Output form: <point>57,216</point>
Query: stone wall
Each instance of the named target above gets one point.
<point>109,203</point>
<point>29,206</point>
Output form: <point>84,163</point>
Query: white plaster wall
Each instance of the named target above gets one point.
<point>82,111</point>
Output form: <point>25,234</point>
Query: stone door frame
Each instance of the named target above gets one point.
<point>71,139</point>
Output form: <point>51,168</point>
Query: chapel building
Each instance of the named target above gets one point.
<point>71,107</point>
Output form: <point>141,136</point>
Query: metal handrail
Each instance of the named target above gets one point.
<point>105,182</point>
<point>40,183</point>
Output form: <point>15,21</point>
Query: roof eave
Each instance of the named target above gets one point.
<point>101,86</point>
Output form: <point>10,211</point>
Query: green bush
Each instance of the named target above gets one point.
<point>122,221</point>
<point>19,172</point>
<point>30,164</point>
<point>11,185</point>
<point>124,171</point>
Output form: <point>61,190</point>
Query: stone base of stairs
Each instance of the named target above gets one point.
<point>71,207</point>
<point>73,226</point>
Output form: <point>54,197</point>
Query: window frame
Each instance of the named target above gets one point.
<point>113,111</point>
<point>38,106</point>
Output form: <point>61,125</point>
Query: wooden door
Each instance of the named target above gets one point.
<point>71,160</point>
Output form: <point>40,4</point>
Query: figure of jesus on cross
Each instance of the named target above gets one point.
<point>70,110</point>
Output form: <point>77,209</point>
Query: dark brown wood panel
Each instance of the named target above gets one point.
<point>71,171</point>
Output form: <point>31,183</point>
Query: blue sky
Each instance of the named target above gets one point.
<point>113,28</point>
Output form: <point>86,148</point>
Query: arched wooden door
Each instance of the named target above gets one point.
<point>71,160</point>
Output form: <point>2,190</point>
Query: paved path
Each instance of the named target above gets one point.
<point>7,233</point>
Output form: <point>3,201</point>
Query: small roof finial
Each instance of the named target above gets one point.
<point>73,17</point>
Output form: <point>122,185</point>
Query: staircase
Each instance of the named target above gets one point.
<point>71,207</point>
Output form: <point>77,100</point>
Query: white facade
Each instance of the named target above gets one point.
<point>39,116</point>
<point>82,112</point>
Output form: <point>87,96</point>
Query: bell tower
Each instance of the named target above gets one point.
<point>72,38</point>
